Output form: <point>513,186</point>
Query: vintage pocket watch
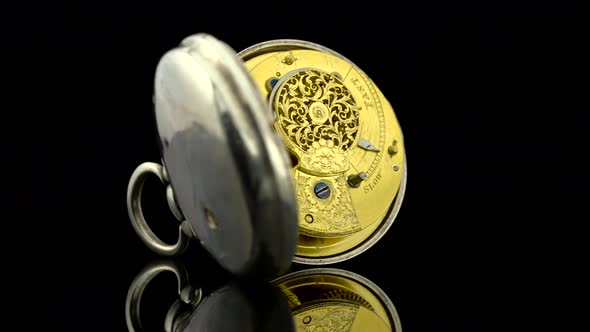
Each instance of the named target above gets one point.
<point>285,151</point>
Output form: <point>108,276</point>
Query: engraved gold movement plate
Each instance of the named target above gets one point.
<point>338,301</point>
<point>346,146</point>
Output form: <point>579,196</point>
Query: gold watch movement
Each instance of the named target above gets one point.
<point>345,143</point>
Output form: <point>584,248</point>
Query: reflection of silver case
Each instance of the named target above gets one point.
<point>248,305</point>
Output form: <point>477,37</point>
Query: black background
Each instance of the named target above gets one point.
<point>492,234</point>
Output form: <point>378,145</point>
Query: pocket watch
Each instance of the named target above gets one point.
<point>285,151</point>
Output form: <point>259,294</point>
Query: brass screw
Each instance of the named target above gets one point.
<point>354,180</point>
<point>393,149</point>
<point>270,83</point>
<point>289,59</point>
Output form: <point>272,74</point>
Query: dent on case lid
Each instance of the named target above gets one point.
<point>228,169</point>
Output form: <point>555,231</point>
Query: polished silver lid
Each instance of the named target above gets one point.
<point>228,169</point>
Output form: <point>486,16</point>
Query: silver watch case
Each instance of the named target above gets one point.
<point>227,170</point>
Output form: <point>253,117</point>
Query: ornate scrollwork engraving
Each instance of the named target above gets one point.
<point>332,217</point>
<point>322,317</point>
<point>319,121</point>
<point>313,105</point>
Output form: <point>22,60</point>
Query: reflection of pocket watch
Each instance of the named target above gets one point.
<point>308,300</point>
<point>338,301</point>
<point>230,180</point>
<point>234,306</point>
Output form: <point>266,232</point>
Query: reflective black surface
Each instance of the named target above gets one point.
<point>236,305</point>
<point>492,234</point>
<point>232,308</point>
<point>311,299</point>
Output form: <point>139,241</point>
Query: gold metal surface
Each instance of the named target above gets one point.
<point>319,120</point>
<point>337,301</point>
<point>336,124</point>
